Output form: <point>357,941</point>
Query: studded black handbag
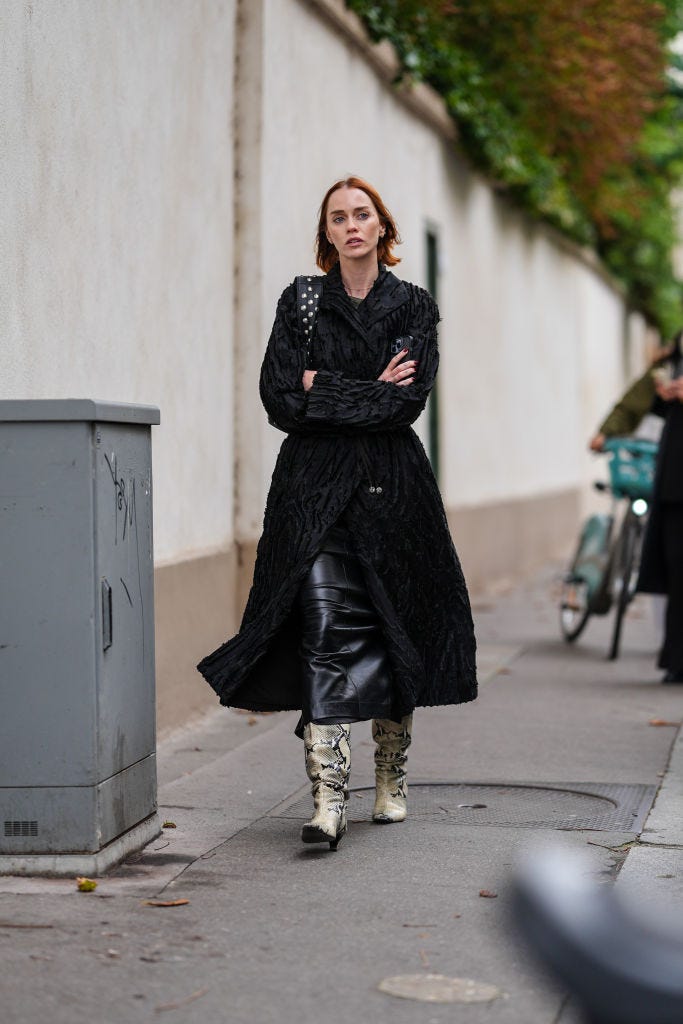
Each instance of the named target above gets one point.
<point>308,294</point>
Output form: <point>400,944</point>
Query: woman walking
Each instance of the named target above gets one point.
<point>358,608</point>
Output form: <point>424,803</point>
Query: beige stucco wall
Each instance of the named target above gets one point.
<point>117,256</point>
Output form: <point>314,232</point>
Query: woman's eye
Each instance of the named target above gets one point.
<point>337,220</point>
<point>363,216</point>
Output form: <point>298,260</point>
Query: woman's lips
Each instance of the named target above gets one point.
<point>355,241</point>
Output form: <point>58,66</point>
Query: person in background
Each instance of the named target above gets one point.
<point>660,391</point>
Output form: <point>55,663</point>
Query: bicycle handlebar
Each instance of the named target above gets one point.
<point>634,445</point>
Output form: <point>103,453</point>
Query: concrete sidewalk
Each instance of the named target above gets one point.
<point>276,931</point>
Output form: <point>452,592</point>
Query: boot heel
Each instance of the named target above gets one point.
<point>334,843</point>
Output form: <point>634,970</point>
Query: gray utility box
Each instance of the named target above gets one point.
<point>77,718</point>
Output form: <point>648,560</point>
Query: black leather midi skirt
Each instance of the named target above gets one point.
<point>345,671</point>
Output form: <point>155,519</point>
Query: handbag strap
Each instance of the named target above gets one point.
<point>308,294</point>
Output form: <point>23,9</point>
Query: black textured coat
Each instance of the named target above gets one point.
<point>350,449</point>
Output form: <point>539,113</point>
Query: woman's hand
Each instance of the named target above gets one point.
<point>670,390</point>
<point>307,379</point>
<point>597,443</point>
<point>400,373</point>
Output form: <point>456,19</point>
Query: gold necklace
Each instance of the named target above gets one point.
<point>351,294</point>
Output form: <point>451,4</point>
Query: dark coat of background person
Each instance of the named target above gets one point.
<point>638,400</point>
<point>350,450</point>
<point>653,577</point>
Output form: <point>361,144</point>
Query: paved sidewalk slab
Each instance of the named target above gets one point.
<point>653,873</point>
<point>665,823</point>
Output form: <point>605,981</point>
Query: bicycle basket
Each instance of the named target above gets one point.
<point>631,466</point>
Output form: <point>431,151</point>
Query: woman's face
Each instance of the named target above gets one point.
<point>352,224</point>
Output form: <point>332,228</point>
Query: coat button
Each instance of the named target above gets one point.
<point>379,490</point>
<point>372,490</point>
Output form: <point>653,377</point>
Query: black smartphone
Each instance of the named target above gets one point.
<point>398,344</point>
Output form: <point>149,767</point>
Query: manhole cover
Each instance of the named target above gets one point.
<point>562,805</point>
<point>436,988</point>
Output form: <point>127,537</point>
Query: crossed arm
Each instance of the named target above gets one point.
<point>397,372</point>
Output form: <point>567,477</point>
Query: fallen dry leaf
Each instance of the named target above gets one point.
<point>165,903</point>
<point>181,1002</point>
<point>487,894</point>
<point>169,824</point>
<point>662,721</point>
<point>86,884</point>
<point>17,924</point>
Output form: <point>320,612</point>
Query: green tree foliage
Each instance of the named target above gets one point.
<point>573,109</point>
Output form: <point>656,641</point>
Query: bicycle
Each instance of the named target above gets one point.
<point>604,571</point>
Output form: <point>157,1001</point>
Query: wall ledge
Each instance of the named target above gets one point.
<point>418,97</point>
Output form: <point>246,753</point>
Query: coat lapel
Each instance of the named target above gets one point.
<point>387,294</point>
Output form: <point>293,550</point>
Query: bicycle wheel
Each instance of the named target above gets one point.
<point>574,608</point>
<point>625,575</point>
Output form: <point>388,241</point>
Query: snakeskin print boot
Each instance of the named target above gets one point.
<point>328,762</point>
<point>391,781</point>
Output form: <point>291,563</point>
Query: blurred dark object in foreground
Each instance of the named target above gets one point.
<point>621,961</point>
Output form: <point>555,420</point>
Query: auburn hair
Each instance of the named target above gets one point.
<point>325,253</point>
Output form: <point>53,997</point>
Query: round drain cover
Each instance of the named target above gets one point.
<point>436,988</point>
<point>569,805</point>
